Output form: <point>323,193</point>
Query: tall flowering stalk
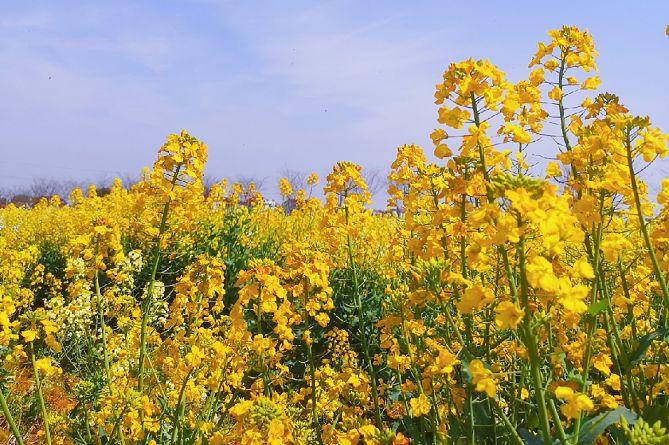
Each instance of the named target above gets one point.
<point>180,165</point>
<point>346,191</point>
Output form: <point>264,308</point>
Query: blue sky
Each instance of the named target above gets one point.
<point>90,89</point>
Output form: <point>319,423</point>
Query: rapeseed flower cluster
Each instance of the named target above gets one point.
<point>493,303</point>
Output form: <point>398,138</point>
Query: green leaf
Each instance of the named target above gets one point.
<point>593,427</point>
<point>645,343</point>
<point>529,438</point>
<point>484,424</point>
<point>619,436</point>
<point>653,413</point>
<point>597,307</point>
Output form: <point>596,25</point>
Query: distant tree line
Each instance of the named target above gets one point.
<point>29,194</point>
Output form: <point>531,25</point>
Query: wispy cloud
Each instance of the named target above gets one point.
<point>267,84</point>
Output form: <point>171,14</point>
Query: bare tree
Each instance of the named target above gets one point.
<point>251,186</point>
<point>30,194</point>
<point>104,185</point>
<point>246,181</point>
<point>296,178</point>
<point>5,196</point>
<point>208,181</point>
<point>128,180</point>
<point>374,178</point>
<point>47,187</point>
<point>6,192</point>
<point>404,189</point>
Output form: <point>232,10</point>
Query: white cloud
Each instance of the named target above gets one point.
<point>252,79</point>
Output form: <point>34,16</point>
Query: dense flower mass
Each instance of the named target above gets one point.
<point>491,303</point>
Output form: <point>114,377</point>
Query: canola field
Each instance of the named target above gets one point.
<point>495,302</point>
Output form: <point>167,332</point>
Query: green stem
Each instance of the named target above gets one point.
<point>149,291</point>
<point>314,411</point>
<point>491,198</point>
<point>117,425</point>
<point>563,124</point>
<point>507,423</point>
<point>179,409</point>
<point>10,419</point>
<point>524,294</point>
<point>89,436</point>
<point>361,325</point>
<point>533,350</point>
<point>621,355</point>
<point>556,417</point>
<point>103,326</point>
<point>471,423</point>
<point>644,229</point>
<point>594,252</point>
<point>40,396</point>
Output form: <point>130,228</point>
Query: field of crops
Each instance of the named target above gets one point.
<point>496,302</point>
